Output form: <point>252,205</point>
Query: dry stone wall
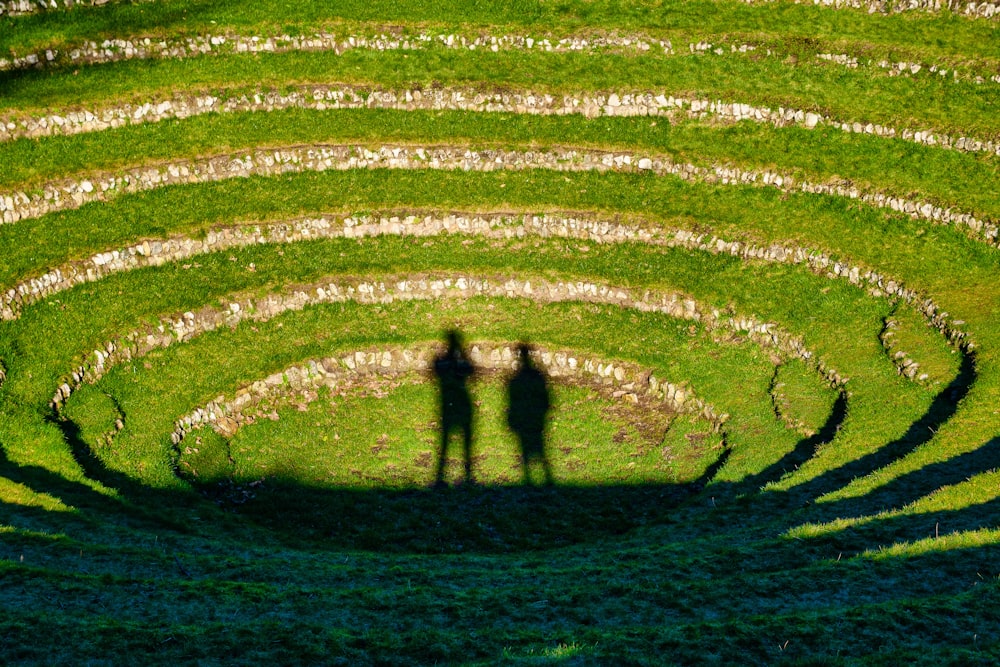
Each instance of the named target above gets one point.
<point>301,383</point>
<point>73,193</point>
<point>119,49</point>
<point>908,68</point>
<point>21,7</point>
<point>188,325</point>
<point>967,8</point>
<point>964,7</point>
<point>617,103</point>
<point>112,50</point>
<point>498,225</point>
<point>905,364</point>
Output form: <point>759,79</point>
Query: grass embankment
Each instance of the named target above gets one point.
<point>845,94</point>
<point>948,178</point>
<point>854,526</point>
<point>934,35</point>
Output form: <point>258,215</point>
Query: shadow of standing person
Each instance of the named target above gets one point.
<point>528,404</point>
<point>453,368</point>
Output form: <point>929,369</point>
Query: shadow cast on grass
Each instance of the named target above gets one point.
<point>136,500</point>
<point>914,485</point>
<point>888,530</point>
<point>941,409</point>
<point>804,450</point>
<point>502,519</point>
<point>468,518</point>
<point>44,481</point>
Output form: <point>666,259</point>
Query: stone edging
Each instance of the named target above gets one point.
<point>114,50</point>
<point>500,225</point>
<point>901,68</point>
<point>321,97</point>
<point>629,382</point>
<point>22,7</point>
<point>905,364</point>
<point>779,405</point>
<point>73,193</point>
<point>229,43</point>
<point>174,329</point>
<point>968,8</point>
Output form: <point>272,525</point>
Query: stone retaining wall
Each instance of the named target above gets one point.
<point>964,7</point>
<point>119,49</point>
<point>499,225</point>
<point>21,7</point>
<point>967,8</point>
<point>619,103</point>
<point>113,50</point>
<point>191,324</point>
<point>302,381</point>
<point>73,193</point>
<point>904,363</point>
<point>907,68</point>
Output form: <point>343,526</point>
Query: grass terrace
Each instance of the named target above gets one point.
<point>753,248</point>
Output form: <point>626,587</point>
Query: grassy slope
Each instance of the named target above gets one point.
<point>118,556</point>
<point>840,92</point>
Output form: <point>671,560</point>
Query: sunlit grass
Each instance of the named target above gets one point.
<point>942,543</point>
<point>12,493</point>
<point>818,524</point>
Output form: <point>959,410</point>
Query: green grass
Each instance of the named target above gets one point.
<point>841,92</point>
<point>286,341</point>
<point>934,33</point>
<point>911,335</point>
<point>741,213</point>
<point>591,440</point>
<point>819,525</point>
<point>800,398</point>
<point>952,178</point>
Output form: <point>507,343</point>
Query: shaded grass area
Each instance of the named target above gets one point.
<point>672,593</point>
<point>534,628</point>
<point>961,107</point>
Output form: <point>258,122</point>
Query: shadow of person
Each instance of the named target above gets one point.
<point>528,404</point>
<point>453,369</point>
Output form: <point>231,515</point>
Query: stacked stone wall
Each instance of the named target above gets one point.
<point>968,8</point>
<point>301,383</point>
<point>617,103</point>
<point>155,253</point>
<point>73,193</point>
<point>188,325</point>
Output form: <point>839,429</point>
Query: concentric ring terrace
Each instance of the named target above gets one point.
<point>752,248</point>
